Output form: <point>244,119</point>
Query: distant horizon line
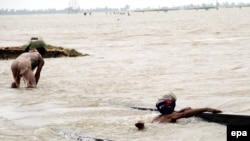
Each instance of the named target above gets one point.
<point>127,5</point>
<point>117,11</point>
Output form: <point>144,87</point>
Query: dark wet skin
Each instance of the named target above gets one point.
<point>171,118</point>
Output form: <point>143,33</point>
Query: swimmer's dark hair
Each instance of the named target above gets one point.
<point>166,107</point>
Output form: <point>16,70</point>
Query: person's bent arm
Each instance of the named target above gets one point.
<point>39,69</point>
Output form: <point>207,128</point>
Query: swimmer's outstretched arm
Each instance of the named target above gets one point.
<point>184,109</point>
<point>192,112</point>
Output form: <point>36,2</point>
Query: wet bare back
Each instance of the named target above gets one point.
<point>24,65</point>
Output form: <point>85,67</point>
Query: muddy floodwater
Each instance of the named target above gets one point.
<point>201,56</point>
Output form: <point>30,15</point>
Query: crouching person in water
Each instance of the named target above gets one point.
<point>25,64</point>
<point>166,106</point>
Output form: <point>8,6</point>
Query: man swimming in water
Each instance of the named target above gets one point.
<point>166,106</point>
<point>25,64</point>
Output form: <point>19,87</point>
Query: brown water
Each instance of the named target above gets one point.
<point>201,56</point>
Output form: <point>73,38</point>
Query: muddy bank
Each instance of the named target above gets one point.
<point>51,52</point>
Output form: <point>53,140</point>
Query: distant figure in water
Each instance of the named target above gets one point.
<point>166,105</point>
<point>25,64</point>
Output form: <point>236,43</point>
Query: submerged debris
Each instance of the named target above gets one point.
<point>51,51</point>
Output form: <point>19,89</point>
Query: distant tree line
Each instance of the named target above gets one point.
<point>66,10</point>
<point>27,11</point>
<point>217,5</point>
<point>126,8</point>
<point>205,6</point>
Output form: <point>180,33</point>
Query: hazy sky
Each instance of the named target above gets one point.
<point>84,4</point>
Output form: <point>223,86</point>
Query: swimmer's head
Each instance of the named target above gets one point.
<point>166,104</point>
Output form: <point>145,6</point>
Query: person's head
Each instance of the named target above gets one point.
<point>166,104</point>
<point>40,49</point>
